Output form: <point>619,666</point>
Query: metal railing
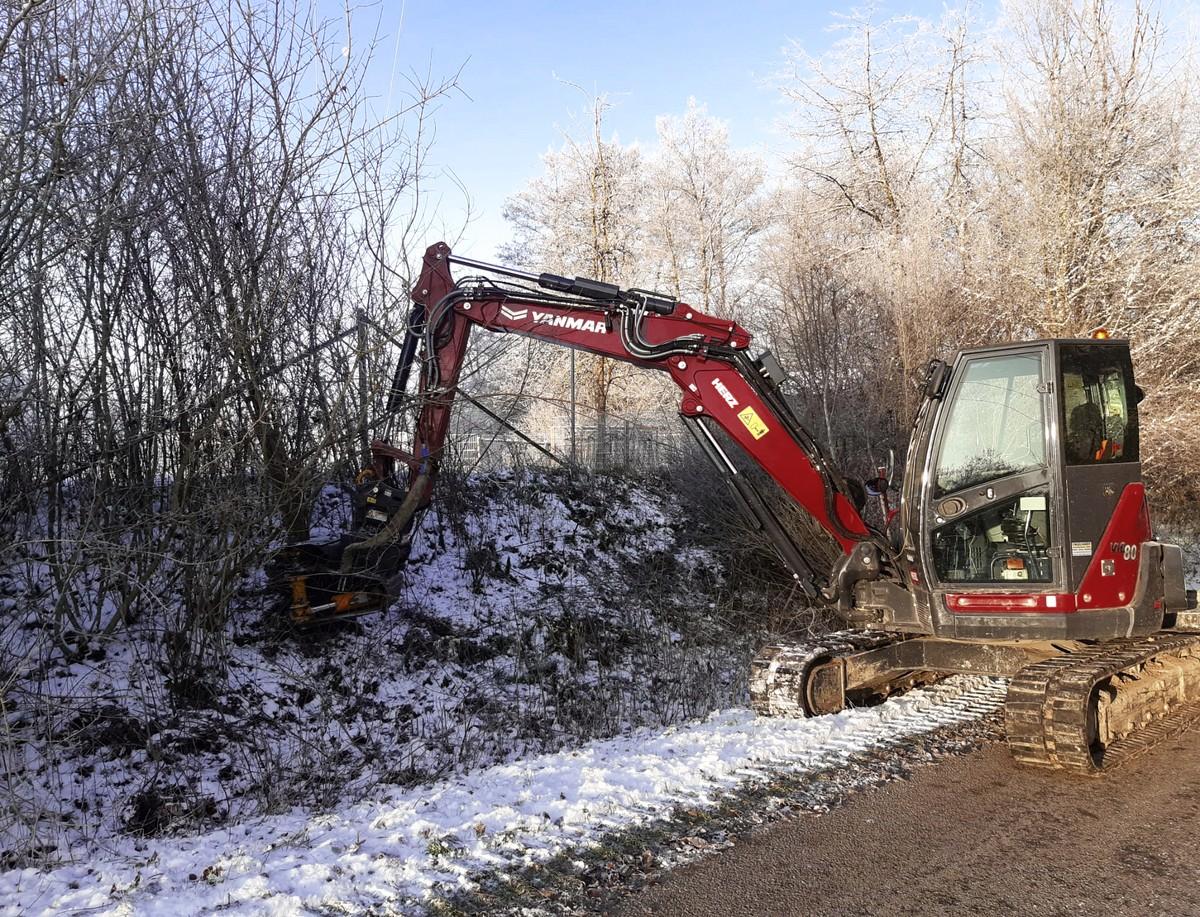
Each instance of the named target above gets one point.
<point>618,444</point>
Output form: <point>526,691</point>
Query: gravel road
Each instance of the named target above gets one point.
<point>972,835</point>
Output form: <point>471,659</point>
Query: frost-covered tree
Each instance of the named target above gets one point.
<point>683,217</point>
<point>887,155</point>
<point>1032,177</point>
<point>706,211</point>
<point>583,215</point>
<point>1099,163</point>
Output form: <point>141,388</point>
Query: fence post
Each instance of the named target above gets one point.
<point>574,457</point>
<point>364,396</point>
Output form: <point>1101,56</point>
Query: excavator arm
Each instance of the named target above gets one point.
<point>705,356</point>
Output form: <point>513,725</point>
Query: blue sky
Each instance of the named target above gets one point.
<point>648,56</point>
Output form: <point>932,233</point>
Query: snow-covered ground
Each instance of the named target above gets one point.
<point>398,848</point>
<point>540,612</point>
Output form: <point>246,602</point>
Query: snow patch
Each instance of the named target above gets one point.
<point>405,846</point>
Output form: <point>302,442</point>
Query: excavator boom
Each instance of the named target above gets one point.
<point>705,356</point>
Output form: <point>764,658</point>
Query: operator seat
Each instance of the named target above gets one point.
<point>1085,433</point>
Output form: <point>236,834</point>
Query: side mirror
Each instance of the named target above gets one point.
<point>935,379</point>
<point>876,487</point>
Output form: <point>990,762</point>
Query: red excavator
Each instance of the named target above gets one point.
<point>1022,546</point>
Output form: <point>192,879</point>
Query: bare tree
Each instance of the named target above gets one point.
<point>201,204</point>
<point>583,215</point>
<point>707,210</point>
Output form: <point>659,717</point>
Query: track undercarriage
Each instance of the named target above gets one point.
<point>1071,706</point>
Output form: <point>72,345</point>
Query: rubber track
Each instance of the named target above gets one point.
<point>1047,706</point>
<point>782,667</point>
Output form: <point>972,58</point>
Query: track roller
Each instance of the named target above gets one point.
<point>804,679</point>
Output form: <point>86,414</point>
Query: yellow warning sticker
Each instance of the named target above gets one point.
<point>749,417</point>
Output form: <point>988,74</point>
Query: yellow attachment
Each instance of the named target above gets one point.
<point>301,608</point>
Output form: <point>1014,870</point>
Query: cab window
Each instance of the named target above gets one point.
<point>996,422</point>
<point>1099,406</point>
<point>1007,542</point>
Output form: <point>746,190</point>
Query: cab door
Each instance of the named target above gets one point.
<point>1099,423</point>
<point>989,508</point>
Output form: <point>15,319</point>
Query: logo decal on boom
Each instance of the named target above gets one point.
<point>514,315</point>
<point>571,322</point>
<point>725,393</point>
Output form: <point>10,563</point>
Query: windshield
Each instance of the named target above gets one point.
<point>996,422</point>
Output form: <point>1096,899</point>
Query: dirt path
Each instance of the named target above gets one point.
<point>972,835</point>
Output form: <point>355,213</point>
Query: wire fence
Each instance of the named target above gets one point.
<point>619,444</point>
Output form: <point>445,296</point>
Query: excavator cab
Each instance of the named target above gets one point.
<point>1027,553</point>
<point>1031,515</point>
